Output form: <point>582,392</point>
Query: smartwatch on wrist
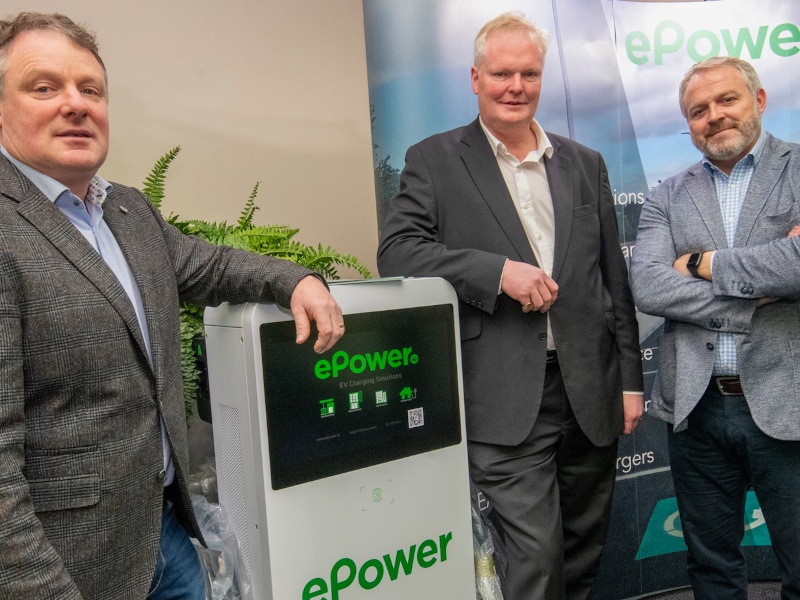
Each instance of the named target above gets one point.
<point>693,263</point>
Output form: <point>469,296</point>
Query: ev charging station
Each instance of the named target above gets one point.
<point>345,474</point>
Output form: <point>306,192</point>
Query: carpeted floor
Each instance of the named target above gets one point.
<point>758,590</point>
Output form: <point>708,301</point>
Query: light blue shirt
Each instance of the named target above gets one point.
<point>87,217</point>
<point>731,191</point>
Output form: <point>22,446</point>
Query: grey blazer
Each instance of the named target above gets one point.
<point>454,218</point>
<point>682,215</point>
<point>80,444</point>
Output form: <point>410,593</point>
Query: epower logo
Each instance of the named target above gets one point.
<point>669,37</point>
<point>345,573</point>
<point>358,363</point>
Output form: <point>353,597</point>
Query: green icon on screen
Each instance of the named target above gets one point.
<point>407,394</point>
<point>327,407</point>
<point>355,399</point>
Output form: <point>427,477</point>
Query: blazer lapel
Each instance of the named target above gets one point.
<point>704,195</point>
<point>766,175</point>
<point>123,224</point>
<point>42,214</point>
<point>559,178</point>
<point>486,175</point>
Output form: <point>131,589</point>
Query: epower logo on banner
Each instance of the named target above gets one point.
<point>669,37</point>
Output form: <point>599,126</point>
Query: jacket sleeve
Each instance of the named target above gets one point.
<point>411,245</point>
<point>660,290</point>
<point>615,279</point>
<point>208,275</point>
<point>771,269</point>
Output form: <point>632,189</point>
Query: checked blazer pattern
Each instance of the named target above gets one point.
<point>80,441</point>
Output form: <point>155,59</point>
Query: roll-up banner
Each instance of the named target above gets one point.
<point>610,82</point>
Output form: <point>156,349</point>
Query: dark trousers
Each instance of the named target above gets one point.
<point>714,461</point>
<point>552,494</point>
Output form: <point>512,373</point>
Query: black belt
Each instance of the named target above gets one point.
<point>727,385</point>
<point>552,357</point>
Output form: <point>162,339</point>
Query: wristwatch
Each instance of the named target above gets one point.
<point>693,263</point>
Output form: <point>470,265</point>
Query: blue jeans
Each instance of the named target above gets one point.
<point>714,461</point>
<point>178,575</point>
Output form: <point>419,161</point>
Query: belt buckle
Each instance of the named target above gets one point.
<point>720,382</point>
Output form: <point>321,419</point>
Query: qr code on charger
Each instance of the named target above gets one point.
<point>416,417</point>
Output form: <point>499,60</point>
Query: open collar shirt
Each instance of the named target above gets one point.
<point>527,184</point>
<point>731,191</point>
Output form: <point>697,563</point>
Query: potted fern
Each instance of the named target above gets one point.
<point>271,240</point>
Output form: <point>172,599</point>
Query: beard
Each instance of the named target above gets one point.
<point>744,135</point>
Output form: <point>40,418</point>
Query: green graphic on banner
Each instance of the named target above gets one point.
<point>664,534</point>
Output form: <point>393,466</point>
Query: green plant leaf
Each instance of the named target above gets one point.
<point>153,186</point>
<point>269,240</point>
<point>191,325</point>
<point>246,218</point>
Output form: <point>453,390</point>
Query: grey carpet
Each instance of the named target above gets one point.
<point>757,590</point>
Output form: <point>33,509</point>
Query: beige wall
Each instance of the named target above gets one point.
<point>252,90</point>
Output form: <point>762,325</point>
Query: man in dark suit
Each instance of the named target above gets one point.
<point>522,224</point>
<point>93,440</point>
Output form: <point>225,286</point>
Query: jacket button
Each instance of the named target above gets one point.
<point>161,474</point>
<point>543,336</point>
<point>710,346</point>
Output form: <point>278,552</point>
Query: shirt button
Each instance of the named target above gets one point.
<point>76,203</point>
<point>729,365</point>
<point>161,474</point>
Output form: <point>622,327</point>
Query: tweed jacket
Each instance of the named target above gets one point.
<point>80,402</point>
<point>681,216</point>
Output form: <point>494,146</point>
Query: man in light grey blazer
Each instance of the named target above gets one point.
<point>522,224</point>
<point>717,256</point>
<point>93,441</point>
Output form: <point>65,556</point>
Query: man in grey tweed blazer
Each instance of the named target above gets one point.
<point>717,256</point>
<point>92,426</point>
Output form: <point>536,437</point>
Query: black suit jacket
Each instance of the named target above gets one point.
<point>454,218</point>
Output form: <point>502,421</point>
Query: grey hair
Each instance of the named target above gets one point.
<point>507,23</point>
<point>747,71</point>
